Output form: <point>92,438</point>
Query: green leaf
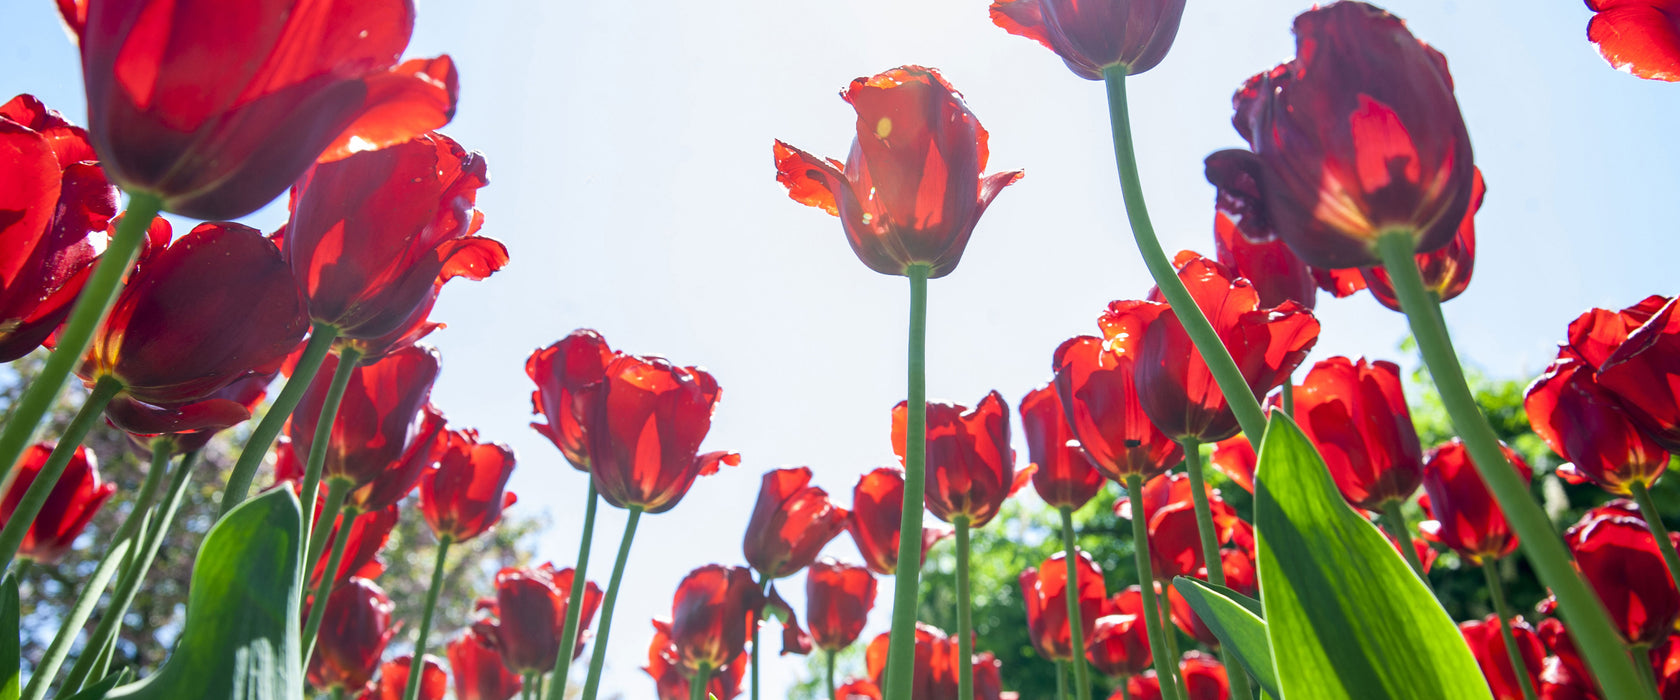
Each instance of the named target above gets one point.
<point>1346,616</point>
<point>9,641</point>
<point>1235,619</point>
<point>240,641</point>
<point>99,690</point>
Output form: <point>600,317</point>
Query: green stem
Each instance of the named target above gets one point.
<point>1394,521</point>
<point>1581,611</point>
<point>1210,551</point>
<point>1653,518</point>
<point>347,359</point>
<point>1166,671</point>
<point>697,684</point>
<point>1061,680</point>
<point>1076,626</point>
<point>1169,632</point>
<point>48,667</point>
<point>597,659</point>
<point>23,517</point>
<point>574,603</point>
<point>965,615</point>
<point>338,693</point>
<point>92,666</point>
<point>541,682</point>
<point>1125,690</point>
<point>94,301</point>
<point>831,655</point>
<point>417,662</point>
<point>1289,396</point>
<point>336,488</point>
<point>1231,383</point>
<point>901,650</point>
<point>330,508</point>
<point>321,338</point>
<point>1641,656</point>
<point>764,590</point>
<point>1497,592</point>
<point>163,448</point>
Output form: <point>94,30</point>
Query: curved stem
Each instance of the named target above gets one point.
<point>321,338</point>
<point>965,615</point>
<point>831,654</point>
<point>1518,667</point>
<point>98,294</point>
<point>336,489</point>
<point>1588,623</point>
<point>597,659</point>
<point>347,359</point>
<point>1210,550</point>
<point>163,448</point>
<point>1076,622</point>
<point>1224,369</point>
<point>697,684</point>
<point>1394,521</point>
<point>574,604</point>
<point>417,661</point>
<point>1167,671</point>
<point>23,517</point>
<point>1653,518</point>
<point>901,651</point>
<point>47,668</point>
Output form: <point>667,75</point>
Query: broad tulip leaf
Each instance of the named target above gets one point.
<point>1346,616</point>
<point>240,641</point>
<point>99,690</point>
<point>9,641</point>
<point>1234,618</point>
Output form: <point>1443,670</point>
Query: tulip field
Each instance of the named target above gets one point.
<point>235,274</point>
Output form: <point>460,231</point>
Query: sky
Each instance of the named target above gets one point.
<point>632,181</point>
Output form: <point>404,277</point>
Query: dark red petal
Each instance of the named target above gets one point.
<point>1641,37</point>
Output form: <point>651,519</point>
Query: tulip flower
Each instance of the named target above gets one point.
<point>937,661</point>
<point>877,506</point>
<point>478,669</point>
<point>970,465</point>
<point>1277,275</point>
<point>790,524</point>
<point>1119,644</point>
<point>1565,667</point>
<point>1045,591</point>
<point>1174,539</point>
<point>838,598</point>
<point>1094,35</point>
<point>1364,117</point>
<point>1584,423</point>
<point>350,643</point>
<point>64,207</point>
<point>215,111</point>
<point>713,608</point>
<point>396,675</point>
<point>247,391</point>
<point>1465,516</point>
<point>1641,37</point>
<point>910,192</point>
<point>1240,576</point>
<point>561,371</point>
<point>380,410</point>
<point>1488,646</point>
<point>1640,371</point>
<point>1099,396</point>
<point>1446,270</point>
<point>1204,679</point>
<point>463,496</point>
<point>1063,476</point>
<point>642,394</point>
<point>367,534</point>
<point>1235,458</point>
<point>366,275</point>
<point>671,684</point>
<point>1618,556</point>
<point>72,503</point>
<point>530,612</point>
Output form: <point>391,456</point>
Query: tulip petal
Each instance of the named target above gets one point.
<point>1641,37</point>
<point>810,180</point>
<point>139,417</point>
<point>409,100</point>
<point>1022,18</point>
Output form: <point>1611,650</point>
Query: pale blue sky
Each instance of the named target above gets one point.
<point>629,150</point>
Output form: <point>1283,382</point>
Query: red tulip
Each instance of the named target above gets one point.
<point>970,465</point>
<point>857,689</point>
<point>478,669</point>
<point>669,678</point>
<point>426,446</point>
<point>1487,643</point>
<point>393,680</point>
<point>1465,515</point>
<point>790,524</point>
<point>247,391</point>
<point>1277,275</point>
<point>1175,546</point>
<point>1355,413</point>
<point>1176,389</point>
<point>1119,643</point>
<point>217,108</point>
<point>795,640</point>
<point>1644,374</point>
<point>1240,576</point>
<point>877,507</point>
<point>1204,679</point>
<point>59,209</point>
<point>1641,37</point>
<point>1565,667</point>
<point>1359,136</point>
<point>1100,396</point>
<point>911,191</point>
<point>561,371</point>
<point>1617,555</point>
<point>711,614</point>
<point>353,635</point>
<point>936,664</point>
<point>367,274</point>
<point>368,534</point>
<point>530,612</point>
<point>379,413</point>
<point>1584,423</point>
<point>838,598</point>
<point>1446,270</point>
<point>1234,457</point>
<point>196,316</point>
<point>73,502</point>
<point>1246,242</point>
<point>464,495</point>
<point>1045,591</point>
<point>1091,35</point>
<point>643,434</point>
<point>1062,475</point>
<point>1426,554</point>
<point>1558,683</point>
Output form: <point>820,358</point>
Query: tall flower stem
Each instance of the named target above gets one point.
<point>92,304</point>
<point>1497,592</point>
<point>1653,518</point>
<point>336,489</point>
<point>965,614</point>
<point>321,338</point>
<point>417,662</point>
<point>1289,396</point>
<point>1394,521</point>
<point>597,659</point>
<point>697,684</point>
<point>47,668</point>
<point>1061,680</point>
<point>1224,369</point>
<point>1587,620</point>
<point>1649,679</point>
<point>758,619</point>
<point>347,360</point>
<point>1167,670</point>
<point>901,650</point>
<point>831,654</point>
<point>1076,626</point>
<point>1125,689</point>
<point>1210,551</point>
<point>574,601</point>
<point>11,536</point>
